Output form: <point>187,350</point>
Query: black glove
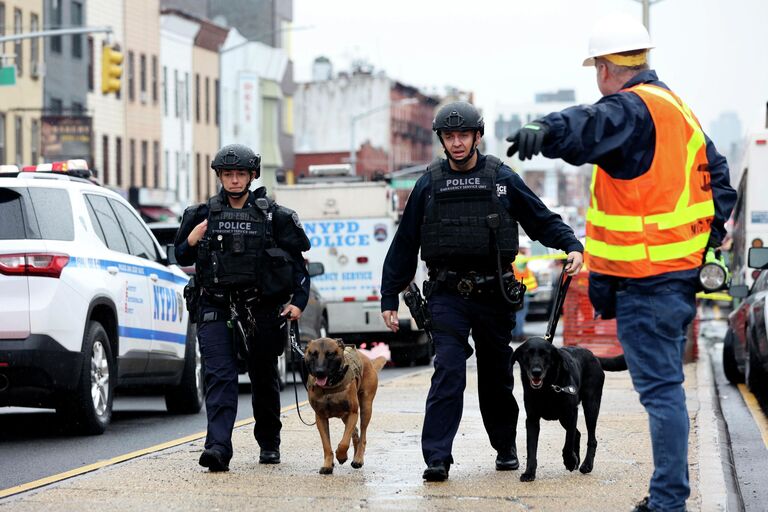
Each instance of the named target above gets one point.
<point>527,141</point>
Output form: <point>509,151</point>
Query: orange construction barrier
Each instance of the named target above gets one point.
<point>580,328</point>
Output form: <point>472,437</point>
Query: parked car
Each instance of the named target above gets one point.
<point>314,319</point>
<point>89,302</point>
<point>745,346</point>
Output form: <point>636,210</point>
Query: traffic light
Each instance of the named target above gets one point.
<point>111,69</point>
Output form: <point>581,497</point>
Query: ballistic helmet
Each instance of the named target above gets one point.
<point>458,116</point>
<point>237,157</point>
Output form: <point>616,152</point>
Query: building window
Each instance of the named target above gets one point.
<point>57,106</point>
<point>207,100</point>
<point>35,141</point>
<point>176,107</point>
<point>2,32</point>
<point>216,99</point>
<point>186,96</point>
<point>167,169</point>
<point>207,176</point>
<point>132,162</point>
<point>18,29</point>
<point>78,108</point>
<point>34,45</point>
<point>197,97</point>
<point>76,15</point>
<point>19,140</point>
<point>165,91</point>
<point>90,63</point>
<point>199,174</point>
<point>119,161</point>
<point>154,79</point>
<point>131,76</point>
<point>105,156</point>
<point>156,163</point>
<point>2,134</point>
<point>144,163</point>
<point>143,78</point>
<point>56,18</point>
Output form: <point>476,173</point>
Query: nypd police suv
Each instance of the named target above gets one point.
<point>88,302</point>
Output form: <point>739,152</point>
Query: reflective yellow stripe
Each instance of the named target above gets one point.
<point>615,252</point>
<point>677,250</point>
<point>685,216</point>
<point>630,223</point>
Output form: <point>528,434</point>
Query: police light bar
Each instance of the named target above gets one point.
<point>9,168</point>
<point>75,167</point>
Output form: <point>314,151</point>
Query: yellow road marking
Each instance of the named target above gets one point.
<point>120,458</point>
<point>756,411</point>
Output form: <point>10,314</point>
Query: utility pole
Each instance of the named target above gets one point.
<point>647,12</point>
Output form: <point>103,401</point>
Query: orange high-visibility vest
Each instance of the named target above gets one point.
<point>660,221</point>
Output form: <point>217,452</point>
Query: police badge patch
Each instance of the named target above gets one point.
<point>295,217</point>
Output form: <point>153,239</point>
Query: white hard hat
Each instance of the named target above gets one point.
<point>617,33</point>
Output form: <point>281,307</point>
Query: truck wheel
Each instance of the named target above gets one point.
<point>417,351</point>
<point>88,410</point>
<point>730,367</point>
<point>189,395</point>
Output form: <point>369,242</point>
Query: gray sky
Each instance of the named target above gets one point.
<point>711,52</point>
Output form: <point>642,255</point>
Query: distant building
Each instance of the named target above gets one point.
<point>363,118</point>
<point>555,181</point>
<point>727,133</point>
<point>21,104</point>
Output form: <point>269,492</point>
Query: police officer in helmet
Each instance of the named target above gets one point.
<point>463,215</point>
<point>251,279</point>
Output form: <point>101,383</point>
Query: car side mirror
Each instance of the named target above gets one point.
<point>315,268</point>
<point>171,253</point>
<point>758,257</point>
<point>738,291</point>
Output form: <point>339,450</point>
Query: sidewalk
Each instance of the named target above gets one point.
<point>391,477</point>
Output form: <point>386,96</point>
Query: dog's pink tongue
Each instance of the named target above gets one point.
<point>321,382</point>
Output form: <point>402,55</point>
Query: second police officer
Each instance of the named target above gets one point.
<point>463,214</point>
<point>247,252</point>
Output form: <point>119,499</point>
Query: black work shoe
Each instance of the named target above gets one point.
<point>269,457</point>
<point>213,460</point>
<point>507,461</point>
<point>436,472</point>
<point>643,506</point>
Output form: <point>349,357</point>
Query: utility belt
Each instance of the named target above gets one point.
<point>219,297</point>
<point>470,284</point>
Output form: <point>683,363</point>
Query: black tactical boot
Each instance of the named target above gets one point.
<point>213,460</point>
<point>507,460</point>
<point>437,472</point>
<point>269,457</point>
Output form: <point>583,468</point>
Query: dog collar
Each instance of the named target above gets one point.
<point>570,389</point>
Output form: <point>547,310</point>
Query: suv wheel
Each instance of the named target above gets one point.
<point>189,395</point>
<point>88,409</point>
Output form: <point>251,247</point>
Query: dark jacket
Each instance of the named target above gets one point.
<point>523,205</point>
<point>618,134</point>
<point>287,231</point>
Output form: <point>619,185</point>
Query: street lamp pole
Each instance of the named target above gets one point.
<point>355,118</point>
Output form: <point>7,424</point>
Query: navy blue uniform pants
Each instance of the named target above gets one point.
<point>221,388</point>
<point>491,324</point>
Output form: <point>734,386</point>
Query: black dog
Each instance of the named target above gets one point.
<point>554,382</point>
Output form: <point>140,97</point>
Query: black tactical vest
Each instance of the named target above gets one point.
<point>456,233</point>
<point>238,251</point>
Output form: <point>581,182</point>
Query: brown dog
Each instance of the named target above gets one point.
<point>342,383</point>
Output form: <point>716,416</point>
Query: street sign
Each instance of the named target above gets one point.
<point>8,75</point>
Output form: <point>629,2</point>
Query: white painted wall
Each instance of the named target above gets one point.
<point>108,111</point>
<point>177,37</point>
<point>323,113</point>
<point>244,68</point>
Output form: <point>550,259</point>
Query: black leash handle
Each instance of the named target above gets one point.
<point>293,327</point>
<point>562,288</point>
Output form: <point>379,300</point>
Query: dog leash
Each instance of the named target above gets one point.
<point>562,288</point>
<point>293,326</point>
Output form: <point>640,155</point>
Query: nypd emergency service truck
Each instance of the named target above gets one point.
<point>350,226</point>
